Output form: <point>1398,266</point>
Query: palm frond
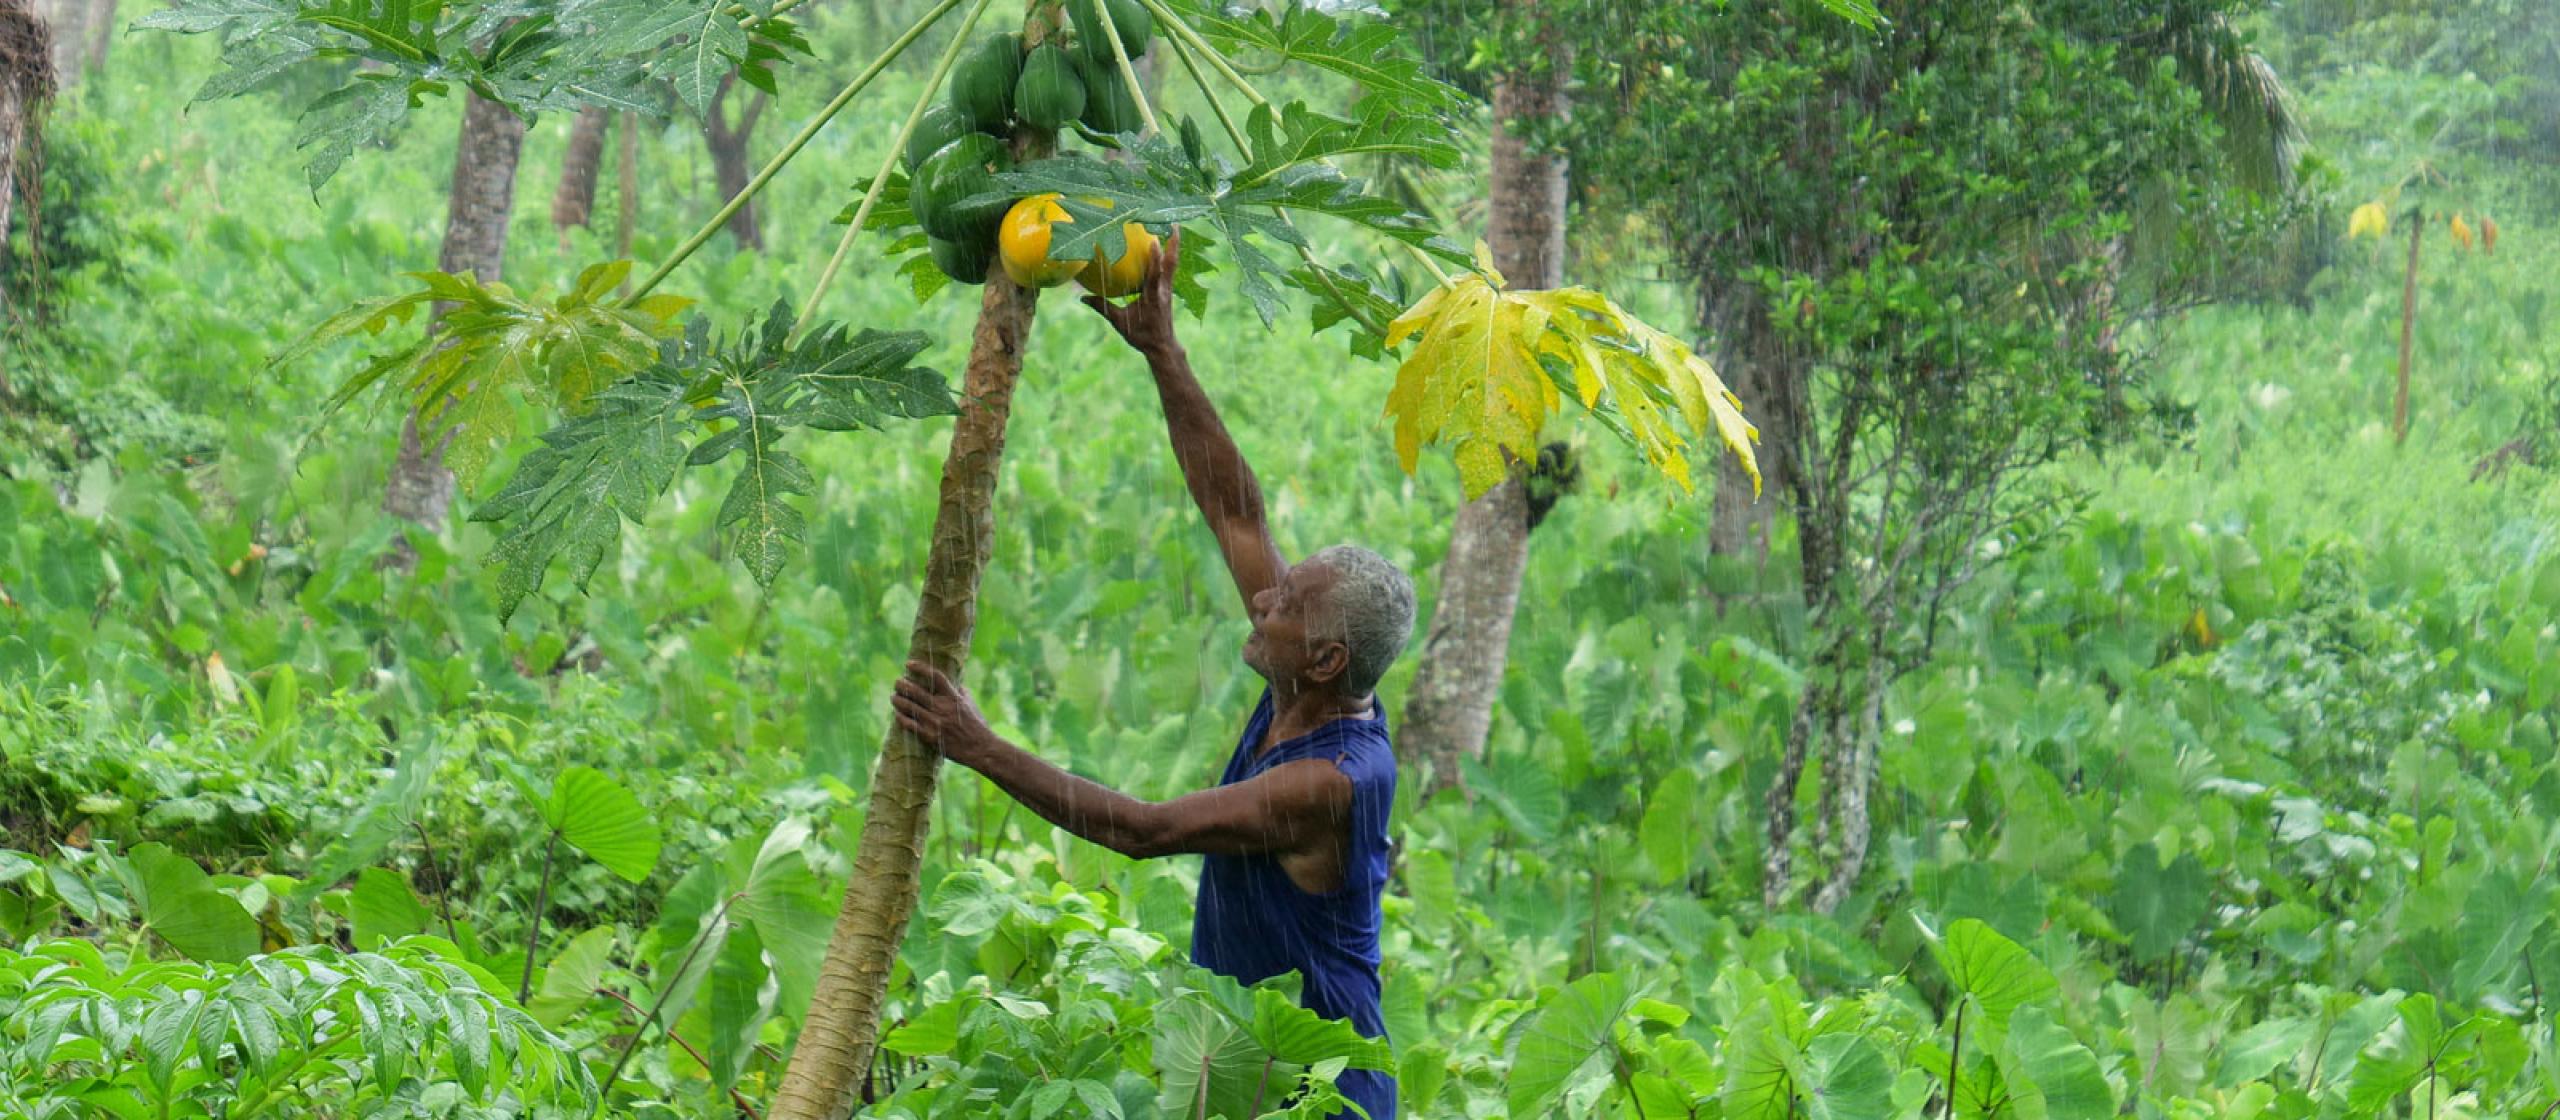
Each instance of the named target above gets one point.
<point>2261,127</point>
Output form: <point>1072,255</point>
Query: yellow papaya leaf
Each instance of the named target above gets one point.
<point>1485,369</point>
<point>2461,231</point>
<point>2368,220</point>
<point>1472,379</point>
<point>2488,234</point>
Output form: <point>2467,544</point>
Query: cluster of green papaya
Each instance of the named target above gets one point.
<point>959,146</point>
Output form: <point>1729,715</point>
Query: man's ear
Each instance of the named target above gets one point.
<point>1332,660</point>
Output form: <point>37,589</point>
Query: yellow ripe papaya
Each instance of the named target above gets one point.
<point>1022,242</point>
<point>1125,276</point>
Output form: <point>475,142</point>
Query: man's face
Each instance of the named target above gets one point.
<point>1280,647</point>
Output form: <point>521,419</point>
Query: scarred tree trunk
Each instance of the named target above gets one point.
<point>475,241</point>
<point>729,166</point>
<point>842,1029</point>
<point>1469,641</point>
<point>26,83</point>
<point>573,203</point>
<point>1756,365</point>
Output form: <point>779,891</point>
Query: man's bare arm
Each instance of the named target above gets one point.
<point>1284,810</point>
<point>1221,483</point>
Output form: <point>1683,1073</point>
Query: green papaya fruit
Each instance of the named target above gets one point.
<point>940,125</point>
<point>1108,105</point>
<point>1050,93</point>
<point>944,185</point>
<point>1128,17</point>
<point>982,82</point>
<point>964,261</point>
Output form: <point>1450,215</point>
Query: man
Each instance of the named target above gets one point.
<point>1295,833</point>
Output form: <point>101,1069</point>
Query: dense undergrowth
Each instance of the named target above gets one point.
<point>2234,802</point>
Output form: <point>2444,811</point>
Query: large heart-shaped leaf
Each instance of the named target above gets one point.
<point>1572,1031</point>
<point>2050,1074</point>
<point>1998,974</point>
<point>1845,1079</point>
<point>181,905</point>
<point>596,815</point>
<point>2156,905</point>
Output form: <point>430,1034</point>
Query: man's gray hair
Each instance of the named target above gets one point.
<point>1369,609</point>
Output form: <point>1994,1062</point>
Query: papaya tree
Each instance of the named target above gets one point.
<point>994,179</point>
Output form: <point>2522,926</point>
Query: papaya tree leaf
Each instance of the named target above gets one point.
<point>1488,367</point>
<point>493,343</point>
<point>1372,53</point>
<point>596,815</point>
<point>591,474</point>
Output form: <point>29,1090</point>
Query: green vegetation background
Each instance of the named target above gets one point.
<point>2259,755</point>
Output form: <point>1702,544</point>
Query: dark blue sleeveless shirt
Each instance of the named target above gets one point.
<point>1254,922</point>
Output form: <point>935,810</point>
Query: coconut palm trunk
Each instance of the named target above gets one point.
<point>1464,651</point>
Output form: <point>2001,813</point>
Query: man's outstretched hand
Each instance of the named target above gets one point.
<point>1147,321</point>
<point>939,713</point>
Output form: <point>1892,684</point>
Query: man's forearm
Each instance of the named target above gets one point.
<point>1220,481</point>
<point>1089,809</point>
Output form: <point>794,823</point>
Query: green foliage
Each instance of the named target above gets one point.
<point>600,469</point>
<point>548,58</point>
<point>2352,745</point>
<point>1286,173</point>
<point>406,1029</point>
<point>489,344</point>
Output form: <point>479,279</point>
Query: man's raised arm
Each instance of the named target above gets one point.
<point>1221,483</point>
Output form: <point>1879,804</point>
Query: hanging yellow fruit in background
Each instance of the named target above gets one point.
<point>2368,220</point>
<point>2461,231</point>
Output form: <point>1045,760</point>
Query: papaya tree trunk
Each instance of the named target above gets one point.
<point>839,1034</point>
<point>1464,651</point>
<point>573,202</point>
<point>482,198</point>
